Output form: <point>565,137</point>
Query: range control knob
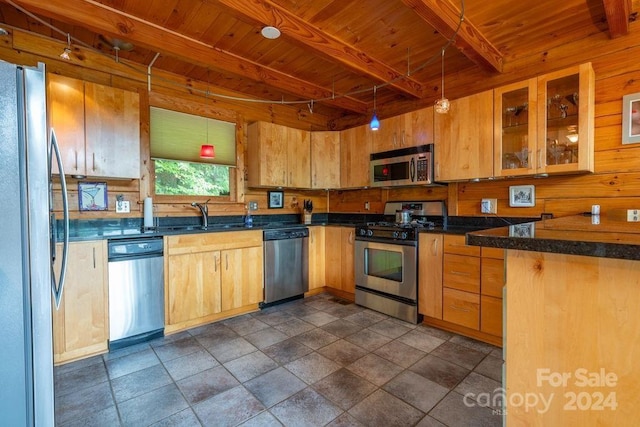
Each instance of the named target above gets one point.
<point>404,235</point>
<point>362,232</point>
<point>396,234</point>
<point>369,233</point>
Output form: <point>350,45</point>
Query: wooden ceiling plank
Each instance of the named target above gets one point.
<point>116,23</point>
<point>304,33</point>
<point>618,13</point>
<point>444,17</point>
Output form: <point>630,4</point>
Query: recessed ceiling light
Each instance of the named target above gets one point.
<point>3,32</point>
<point>270,32</point>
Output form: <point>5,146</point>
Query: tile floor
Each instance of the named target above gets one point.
<point>312,362</point>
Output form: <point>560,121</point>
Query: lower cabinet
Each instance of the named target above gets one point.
<point>460,286</point>
<point>339,253</point>
<point>81,324</point>
<point>317,264</point>
<point>211,276</point>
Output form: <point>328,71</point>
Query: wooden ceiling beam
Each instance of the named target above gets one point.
<point>618,13</point>
<point>112,22</point>
<point>265,12</point>
<point>444,17</point>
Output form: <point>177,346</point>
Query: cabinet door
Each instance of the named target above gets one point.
<point>348,283</point>
<point>333,257</point>
<point>430,275</point>
<point>316,257</point>
<point>465,139</point>
<point>566,101</point>
<point>325,160</point>
<point>355,148</point>
<point>491,315</point>
<point>81,325</point>
<point>422,127</point>
<point>298,158</point>
<point>515,115</point>
<point>267,155</point>
<point>112,132</point>
<point>193,286</point>
<point>392,134</point>
<point>65,98</point>
<point>242,277</point>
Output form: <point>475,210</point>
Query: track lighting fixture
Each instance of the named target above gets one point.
<point>442,105</point>
<point>375,123</point>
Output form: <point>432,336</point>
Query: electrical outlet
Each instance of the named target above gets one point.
<point>489,206</point>
<point>122,206</point>
<point>253,205</point>
<point>366,206</point>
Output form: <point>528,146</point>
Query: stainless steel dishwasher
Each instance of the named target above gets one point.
<point>136,291</point>
<point>286,264</point>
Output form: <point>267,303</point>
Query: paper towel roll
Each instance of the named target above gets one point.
<point>148,212</point>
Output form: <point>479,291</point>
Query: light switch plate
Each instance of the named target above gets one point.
<point>123,206</point>
<point>489,206</point>
<point>253,205</point>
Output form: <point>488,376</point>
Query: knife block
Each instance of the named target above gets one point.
<point>306,217</point>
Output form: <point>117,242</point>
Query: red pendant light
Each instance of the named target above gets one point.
<point>207,152</point>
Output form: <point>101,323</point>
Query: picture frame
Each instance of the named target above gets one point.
<point>631,118</point>
<point>92,196</point>
<point>275,199</point>
<point>525,230</point>
<point>522,196</point>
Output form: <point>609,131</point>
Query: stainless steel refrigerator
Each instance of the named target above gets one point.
<point>26,349</point>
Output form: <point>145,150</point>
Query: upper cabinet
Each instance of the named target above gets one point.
<point>545,125</point>
<point>421,122</point>
<point>355,148</point>
<point>278,156</point>
<point>464,139</point>
<point>97,128</point>
<point>394,133</point>
<point>325,160</point>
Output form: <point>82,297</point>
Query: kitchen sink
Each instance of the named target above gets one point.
<point>198,227</point>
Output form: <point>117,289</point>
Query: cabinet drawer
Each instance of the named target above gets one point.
<point>491,315</point>
<point>461,308</point>
<point>461,272</point>
<point>207,242</point>
<point>455,244</point>
<point>496,253</point>
<point>492,277</point>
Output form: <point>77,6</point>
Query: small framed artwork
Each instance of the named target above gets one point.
<point>276,199</point>
<point>526,230</point>
<point>522,196</point>
<point>92,196</point>
<point>631,118</point>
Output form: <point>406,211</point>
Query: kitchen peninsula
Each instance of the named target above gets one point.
<point>572,332</point>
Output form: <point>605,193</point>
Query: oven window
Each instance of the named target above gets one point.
<point>383,264</point>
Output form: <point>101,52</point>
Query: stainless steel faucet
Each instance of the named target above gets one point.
<point>204,210</point>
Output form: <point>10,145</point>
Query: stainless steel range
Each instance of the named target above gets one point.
<point>386,258</point>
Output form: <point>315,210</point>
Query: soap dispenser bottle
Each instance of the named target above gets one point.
<point>248,219</point>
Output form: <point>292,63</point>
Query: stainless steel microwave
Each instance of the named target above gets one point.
<point>405,166</point>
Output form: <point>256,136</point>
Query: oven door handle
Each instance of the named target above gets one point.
<point>387,241</point>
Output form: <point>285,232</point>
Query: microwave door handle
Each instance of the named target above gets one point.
<point>412,169</point>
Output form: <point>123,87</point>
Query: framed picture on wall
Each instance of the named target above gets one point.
<point>92,196</point>
<point>631,118</point>
<point>276,199</point>
<point>522,196</point>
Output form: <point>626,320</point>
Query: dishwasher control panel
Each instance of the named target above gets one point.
<point>288,233</point>
<point>126,248</point>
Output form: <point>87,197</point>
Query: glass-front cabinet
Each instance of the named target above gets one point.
<point>545,125</point>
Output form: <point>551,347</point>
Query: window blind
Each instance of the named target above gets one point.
<point>179,136</point>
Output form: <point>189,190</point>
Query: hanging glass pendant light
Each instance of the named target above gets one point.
<point>207,151</point>
<point>442,105</point>
<point>67,50</point>
<point>375,123</point>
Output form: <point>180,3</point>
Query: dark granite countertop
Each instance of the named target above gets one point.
<point>597,236</point>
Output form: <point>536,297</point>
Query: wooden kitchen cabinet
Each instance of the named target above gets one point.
<point>81,324</point>
<point>97,128</point>
<point>461,282</point>
<point>464,138</point>
<point>421,122</point>
<point>325,160</point>
<point>339,258</point>
<point>545,125</point>
<point>210,276</point>
<point>430,274</point>
<point>394,133</point>
<point>278,156</point>
<point>317,264</point>
<point>355,149</point>
<point>492,282</point>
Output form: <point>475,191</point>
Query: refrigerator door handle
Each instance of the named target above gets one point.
<point>57,288</point>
